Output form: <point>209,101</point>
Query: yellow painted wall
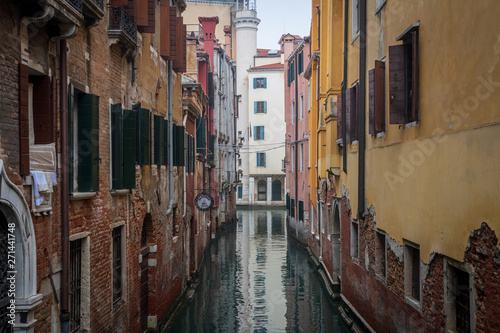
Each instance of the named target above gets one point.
<point>433,184</point>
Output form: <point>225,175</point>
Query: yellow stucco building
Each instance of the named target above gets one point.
<point>409,189</point>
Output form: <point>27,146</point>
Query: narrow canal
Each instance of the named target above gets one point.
<point>255,279</point>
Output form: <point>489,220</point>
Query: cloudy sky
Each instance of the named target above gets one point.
<point>282,16</point>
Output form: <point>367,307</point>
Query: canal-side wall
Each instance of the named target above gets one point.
<point>298,230</point>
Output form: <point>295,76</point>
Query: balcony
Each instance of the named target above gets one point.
<point>93,11</point>
<point>122,29</point>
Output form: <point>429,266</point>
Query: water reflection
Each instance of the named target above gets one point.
<point>255,280</point>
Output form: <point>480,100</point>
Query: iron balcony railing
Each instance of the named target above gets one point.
<point>119,19</point>
<point>77,4</point>
<point>99,3</point>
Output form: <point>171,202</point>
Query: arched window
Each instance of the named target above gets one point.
<point>276,190</point>
<point>261,190</point>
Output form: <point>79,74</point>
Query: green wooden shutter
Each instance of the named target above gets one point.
<point>129,146</point>
<point>144,141</point>
<point>136,108</point>
<point>116,146</point>
<point>301,210</point>
<point>71,134</point>
<point>264,157</point>
<point>265,82</point>
<point>254,82</point>
<point>88,143</point>
<point>211,147</point>
<point>179,145</point>
<point>201,141</point>
<point>265,106</point>
<point>157,139</point>
<point>255,107</point>
<point>165,142</point>
<point>262,135</point>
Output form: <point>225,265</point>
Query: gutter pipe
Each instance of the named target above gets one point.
<point>362,106</point>
<point>170,139</point>
<point>65,314</point>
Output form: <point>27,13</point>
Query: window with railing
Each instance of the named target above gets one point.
<point>120,20</point>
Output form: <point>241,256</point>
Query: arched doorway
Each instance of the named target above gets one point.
<point>276,190</point>
<point>15,210</point>
<point>261,190</point>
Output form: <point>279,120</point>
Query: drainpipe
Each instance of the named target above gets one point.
<point>296,135</point>
<point>344,85</point>
<point>184,122</point>
<point>64,315</point>
<point>170,139</point>
<point>362,106</point>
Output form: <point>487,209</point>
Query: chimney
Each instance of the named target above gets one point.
<point>208,25</point>
<point>227,36</point>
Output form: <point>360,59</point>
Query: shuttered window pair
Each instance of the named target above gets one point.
<point>260,107</point>
<point>259,82</point>
<point>83,128</point>
<point>258,133</point>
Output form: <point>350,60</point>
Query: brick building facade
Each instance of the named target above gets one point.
<point>94,120</point>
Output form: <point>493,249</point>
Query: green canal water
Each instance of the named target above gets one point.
<point>255,279</point>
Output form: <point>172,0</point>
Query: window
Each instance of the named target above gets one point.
<point>404,78</point>
<point>276,190</point>
<point>260,107</point>
<point>354,239</point>
<point>301,157</point>
<point>458,301</point>
<point>37,113</point>
<point>293,112</point>
<point>159,127</point>
<point>75,284</point>
<point>239,161</point>
<point>262,190</point>
<point>261,159</point>
<point>258,132</point>
<point>301,210</point>
<point>259,82</point>
<point>339,117</point>
<point>240,192</point>
<point>376,100</point>
<point>189,153</point>
<point>301,62</point>
<point>412,271</point>
<point>291,72</point>
<point>287,199</point>
<point>355,19</point>
<point>122,147</point>
<point>201,136</point>
<point>292,207</point>
<point>293,159</point>
<point>117,264</point>
<point>380,254</point>
<point>301,106</point>
<point>83,120</point>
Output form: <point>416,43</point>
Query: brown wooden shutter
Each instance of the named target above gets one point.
<point>53,99</point>
<point>165,29</point>
<point>397,84</point>
<point>42,111</point>
<point>354,113</point>
<point>184,51</point>
<point>173,33</point>
<point>371,101</point>
<point>142,13</point>
<point>414,75</point>
<point>179,37</point>
<point>379,96</point>
<point>148,24</point>
<point>339,116</point>
<point>24,127</point>
<point>348,101</point>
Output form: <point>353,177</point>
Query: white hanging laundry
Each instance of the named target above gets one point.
<point>39,185</point>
